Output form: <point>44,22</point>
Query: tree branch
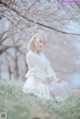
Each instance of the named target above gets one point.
<point>38,23</point>
<point>4,48</point>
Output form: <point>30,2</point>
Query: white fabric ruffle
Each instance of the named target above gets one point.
<point>37,79</point>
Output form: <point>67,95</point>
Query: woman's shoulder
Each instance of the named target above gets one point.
<point>30,54</point>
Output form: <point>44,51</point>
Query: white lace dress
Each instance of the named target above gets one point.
<point>37,79</point>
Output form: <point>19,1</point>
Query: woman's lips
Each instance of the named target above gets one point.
<point>40,46</point>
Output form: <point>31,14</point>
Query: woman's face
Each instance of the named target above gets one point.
<point>40,44</point>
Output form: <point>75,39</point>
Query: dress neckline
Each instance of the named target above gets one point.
<point>38,54</point>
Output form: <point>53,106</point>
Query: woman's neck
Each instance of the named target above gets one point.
<point>37,52</point>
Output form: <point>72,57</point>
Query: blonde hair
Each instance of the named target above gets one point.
<point>38,36</point>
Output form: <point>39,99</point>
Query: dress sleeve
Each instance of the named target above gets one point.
<point>34,69</point>
<point>31,61</point>
<point>49,70</point>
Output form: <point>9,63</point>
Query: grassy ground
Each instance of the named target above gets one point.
<point>21,106</point>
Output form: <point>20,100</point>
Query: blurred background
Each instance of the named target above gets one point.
<point>21,19</point>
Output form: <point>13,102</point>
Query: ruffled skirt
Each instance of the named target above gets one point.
<point>55,90</point>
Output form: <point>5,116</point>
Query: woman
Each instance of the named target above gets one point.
<point>41,79</point>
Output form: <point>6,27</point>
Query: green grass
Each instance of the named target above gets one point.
<point>22,106</point>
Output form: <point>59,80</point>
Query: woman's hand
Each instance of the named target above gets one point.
<point>50,79</point>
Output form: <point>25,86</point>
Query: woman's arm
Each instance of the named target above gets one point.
<point>49,70</point>
<point>34,68</point>
<point>50,73</point>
